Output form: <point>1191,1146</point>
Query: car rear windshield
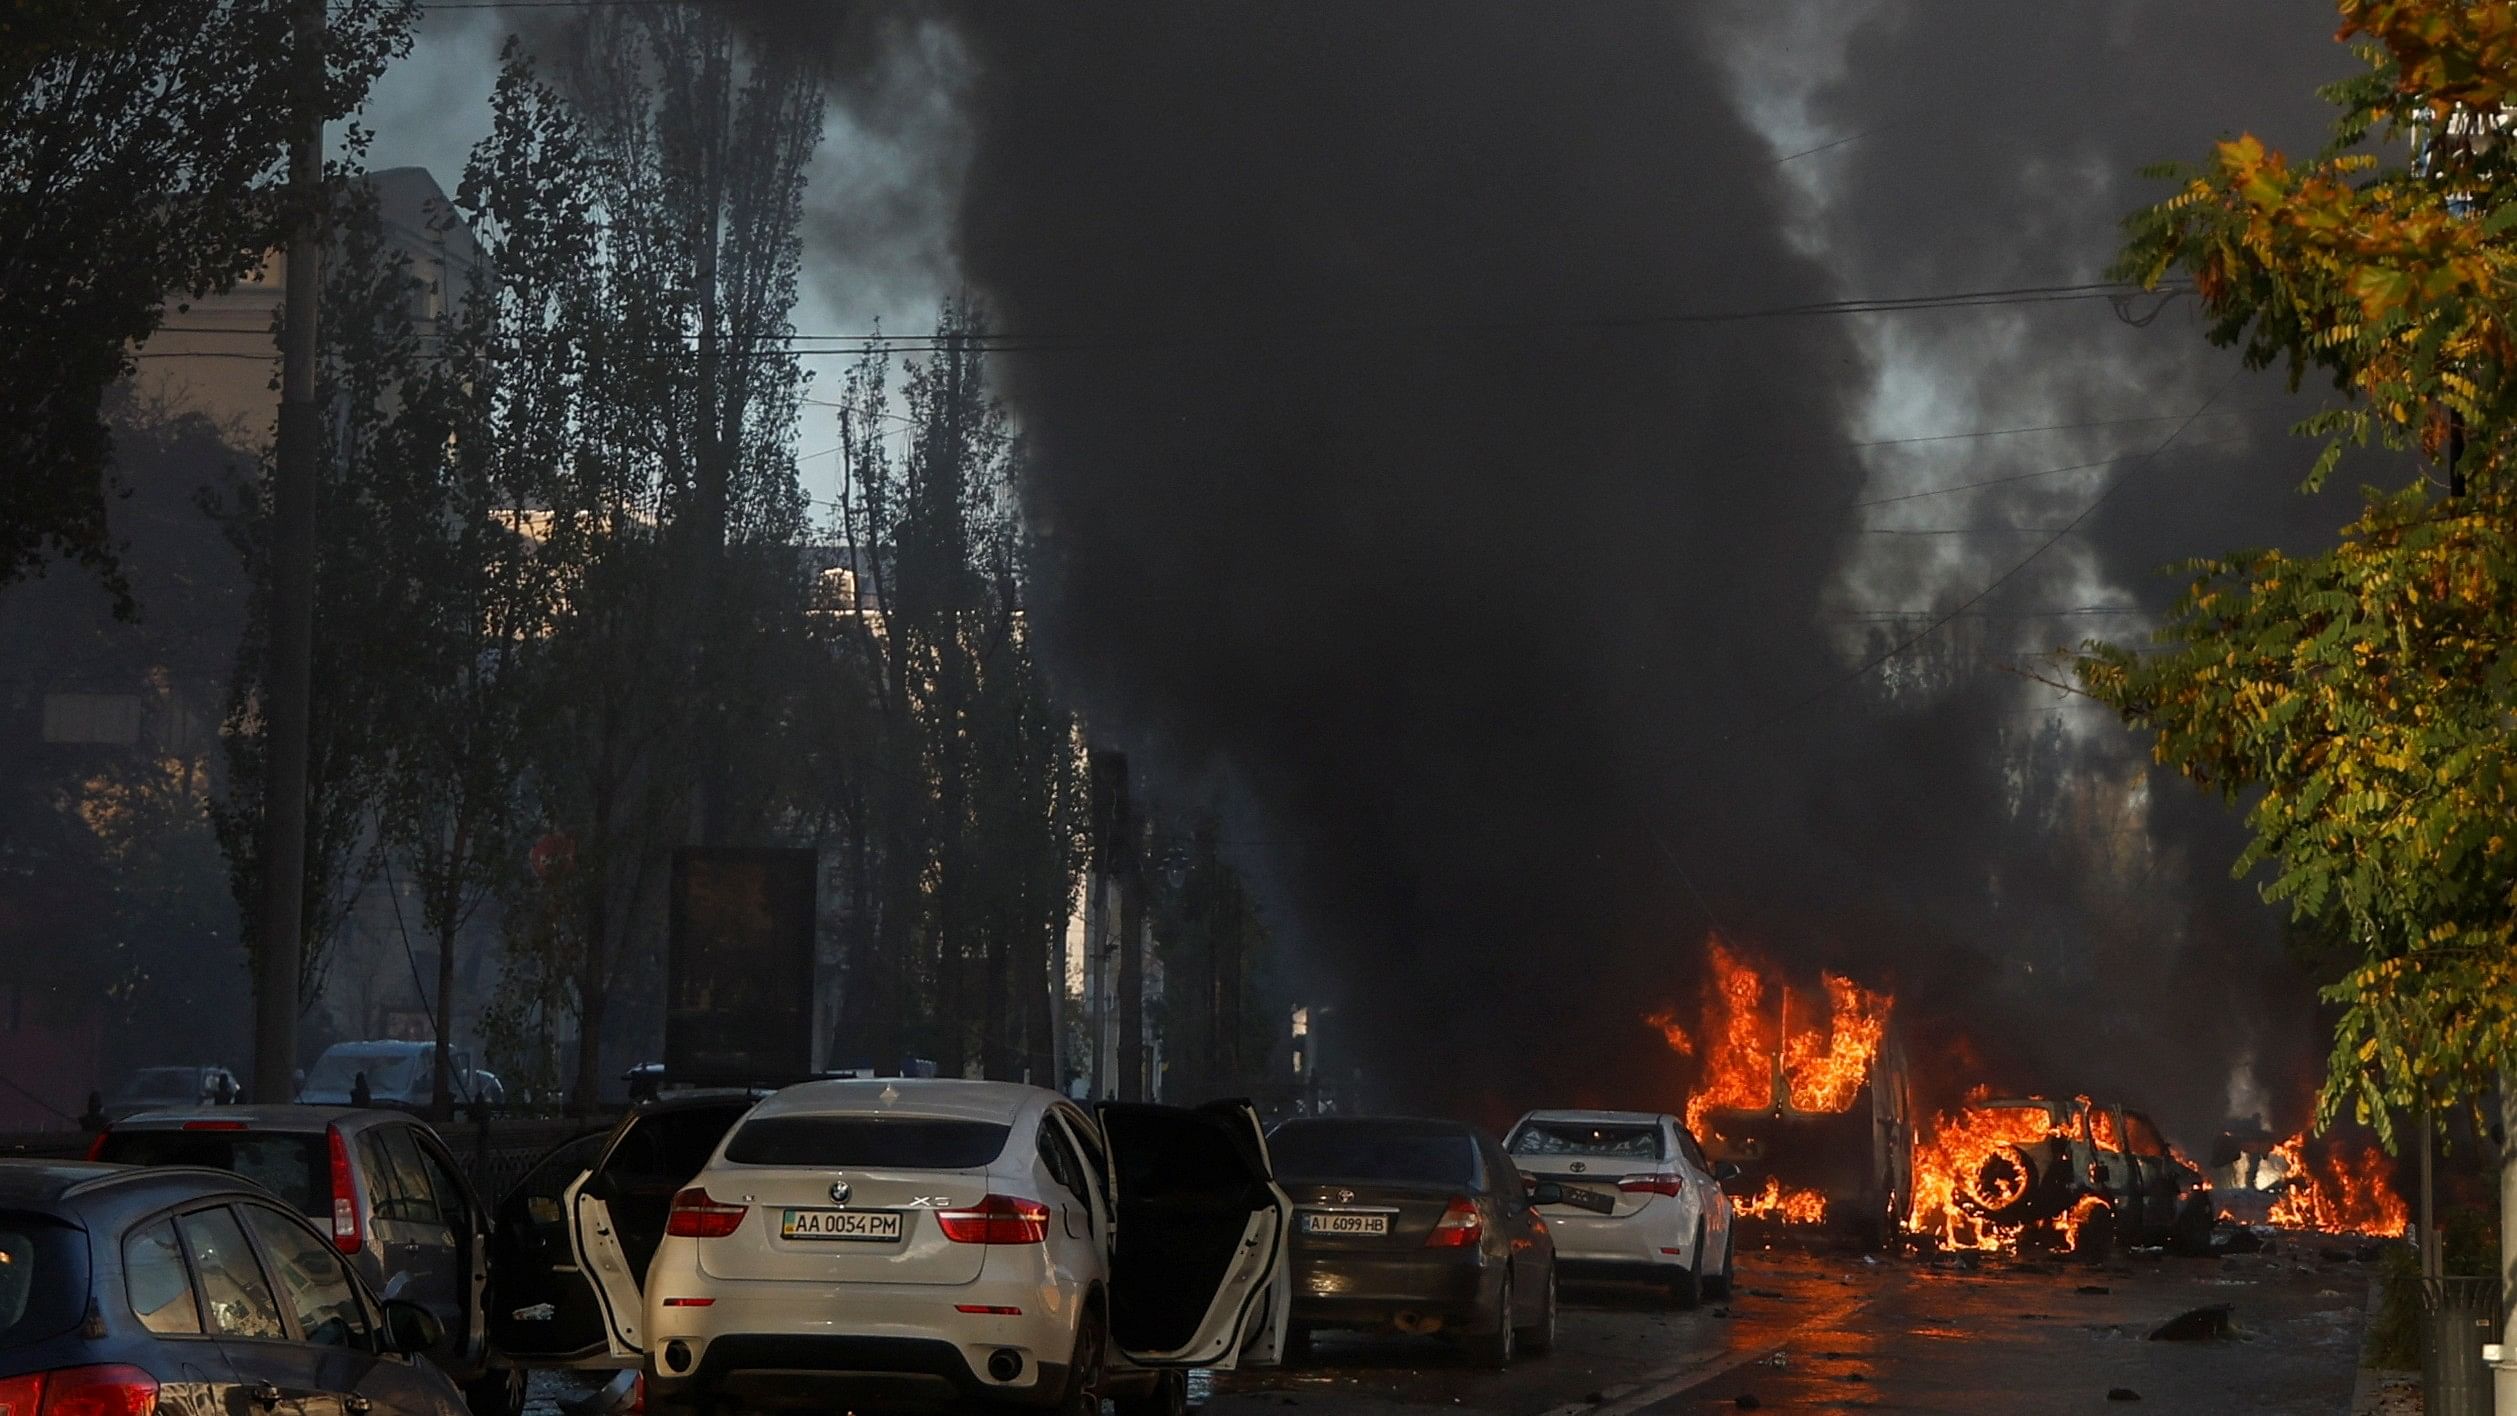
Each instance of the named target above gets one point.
<point>294,1166</point>
<point>388,1073</point>
<point>1628,1141</point>
<point>43,1278</point>
<point>1346,1150</point>
<point>859,1142</point>
<point>162,1084</point>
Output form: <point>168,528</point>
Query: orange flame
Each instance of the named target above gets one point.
<point>1950,1162</point>
<point>2342,1195</point>
<point>1822,1068</point>
<point>1790,1204</point>
<point>1857,1019</point>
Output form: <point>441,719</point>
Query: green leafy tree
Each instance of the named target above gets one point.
<point>2363,701</point>
<point>143,146</point>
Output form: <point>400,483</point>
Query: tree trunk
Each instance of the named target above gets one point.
<point>441,1087</point>
<point>1132,978</point>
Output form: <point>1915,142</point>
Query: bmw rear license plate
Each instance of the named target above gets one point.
<point>870,1226</point>
<point>1344,1222</point>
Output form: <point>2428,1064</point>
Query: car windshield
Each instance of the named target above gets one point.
<point>387,1072</point>
<point>1349,1150</point>
<point>902,1142</point>
<point>1625,1141</point>
<point>162,1084</point>
<point>43,1278</point>
<point>295,1167</point>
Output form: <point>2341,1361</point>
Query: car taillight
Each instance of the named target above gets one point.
<point>95,1151</point>
<point>346,1235</point>
<point>695,1215</point>
<point>1671,1185</point>
<point>214,1125</point>
<point>1460,1226</point>
<point>998,1219</point>
<point>114,1390</point>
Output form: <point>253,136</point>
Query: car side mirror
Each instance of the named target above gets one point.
<point>411,1329</point>
<point>1546,1192</point>
<point>1725,1171</point>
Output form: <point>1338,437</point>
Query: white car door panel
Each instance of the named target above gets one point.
<point>602,1258</point>
<point>1195,1200</point>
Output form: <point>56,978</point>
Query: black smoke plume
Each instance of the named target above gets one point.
<point>1392,491</point>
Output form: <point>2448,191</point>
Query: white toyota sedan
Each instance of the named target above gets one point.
<point>907,1242</point>
<point>1638,1199</point>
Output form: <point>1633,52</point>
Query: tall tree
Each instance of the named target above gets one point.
<point>677,505</point>
<point>2364,697</point>
<point>975,789</point>
<point>144,143</point>
<point>370,358</point>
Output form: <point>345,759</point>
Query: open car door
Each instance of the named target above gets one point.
<point>617,1210</point>
<point>541,1309</point>
<point>1197,1242</point>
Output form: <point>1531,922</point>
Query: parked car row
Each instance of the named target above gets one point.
<point>382,1073</point>
<point>857,1243</point>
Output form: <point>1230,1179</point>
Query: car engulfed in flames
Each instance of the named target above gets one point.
<point>2076,1175</point>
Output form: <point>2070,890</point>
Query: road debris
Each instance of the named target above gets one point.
<point>2195,1324</point>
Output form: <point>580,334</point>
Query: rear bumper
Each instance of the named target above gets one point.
<point>843,1346</point>
<point>1637,1240</point>
<point>1332,1289</point>
<point>823,1373</point>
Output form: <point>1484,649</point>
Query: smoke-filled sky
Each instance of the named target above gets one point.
<point>1395,495</point>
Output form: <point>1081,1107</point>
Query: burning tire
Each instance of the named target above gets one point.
<point>2005,1186</point>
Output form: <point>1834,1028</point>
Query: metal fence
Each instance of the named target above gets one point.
<point>494,1154</point>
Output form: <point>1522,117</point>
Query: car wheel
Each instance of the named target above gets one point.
<point>1541,1335</point>
<point>1719,1285</point>
<point>2095,1243</point>
<point>1085,1374</point>
<point>1297,1343</point>
<point>496,1392</point>
<point>1495,1346</point>
<point>1686,1290</point>
<point>1169,1396</point>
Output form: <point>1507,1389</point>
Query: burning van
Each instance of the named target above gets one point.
<point>1805,1091</point>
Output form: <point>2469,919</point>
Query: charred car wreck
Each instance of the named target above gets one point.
<point>2100,1176</point>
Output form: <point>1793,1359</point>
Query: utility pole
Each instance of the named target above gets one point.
<point>289,683</point>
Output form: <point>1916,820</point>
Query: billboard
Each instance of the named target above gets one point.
<point>738,1003</point>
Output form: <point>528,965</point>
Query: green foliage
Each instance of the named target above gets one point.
<point>2363,701</point>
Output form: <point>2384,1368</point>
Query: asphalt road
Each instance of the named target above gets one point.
<point>1836,1332</point>
<point>1833,1332</point>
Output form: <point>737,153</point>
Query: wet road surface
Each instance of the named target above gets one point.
<point>1831,1332</point>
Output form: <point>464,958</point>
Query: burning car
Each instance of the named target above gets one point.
<point>2075,1174</point>
<point>1806,1095</point>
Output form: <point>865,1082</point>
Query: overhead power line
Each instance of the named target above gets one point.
<point>822,345</point>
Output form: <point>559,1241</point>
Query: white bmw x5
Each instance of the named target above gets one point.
<point>909,1243</point>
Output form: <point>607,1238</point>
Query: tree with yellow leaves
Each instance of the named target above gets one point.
<point>2364,701</point>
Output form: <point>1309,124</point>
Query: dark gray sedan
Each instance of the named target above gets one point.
<point>192,1293</point>
<point>1415,1227</point>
